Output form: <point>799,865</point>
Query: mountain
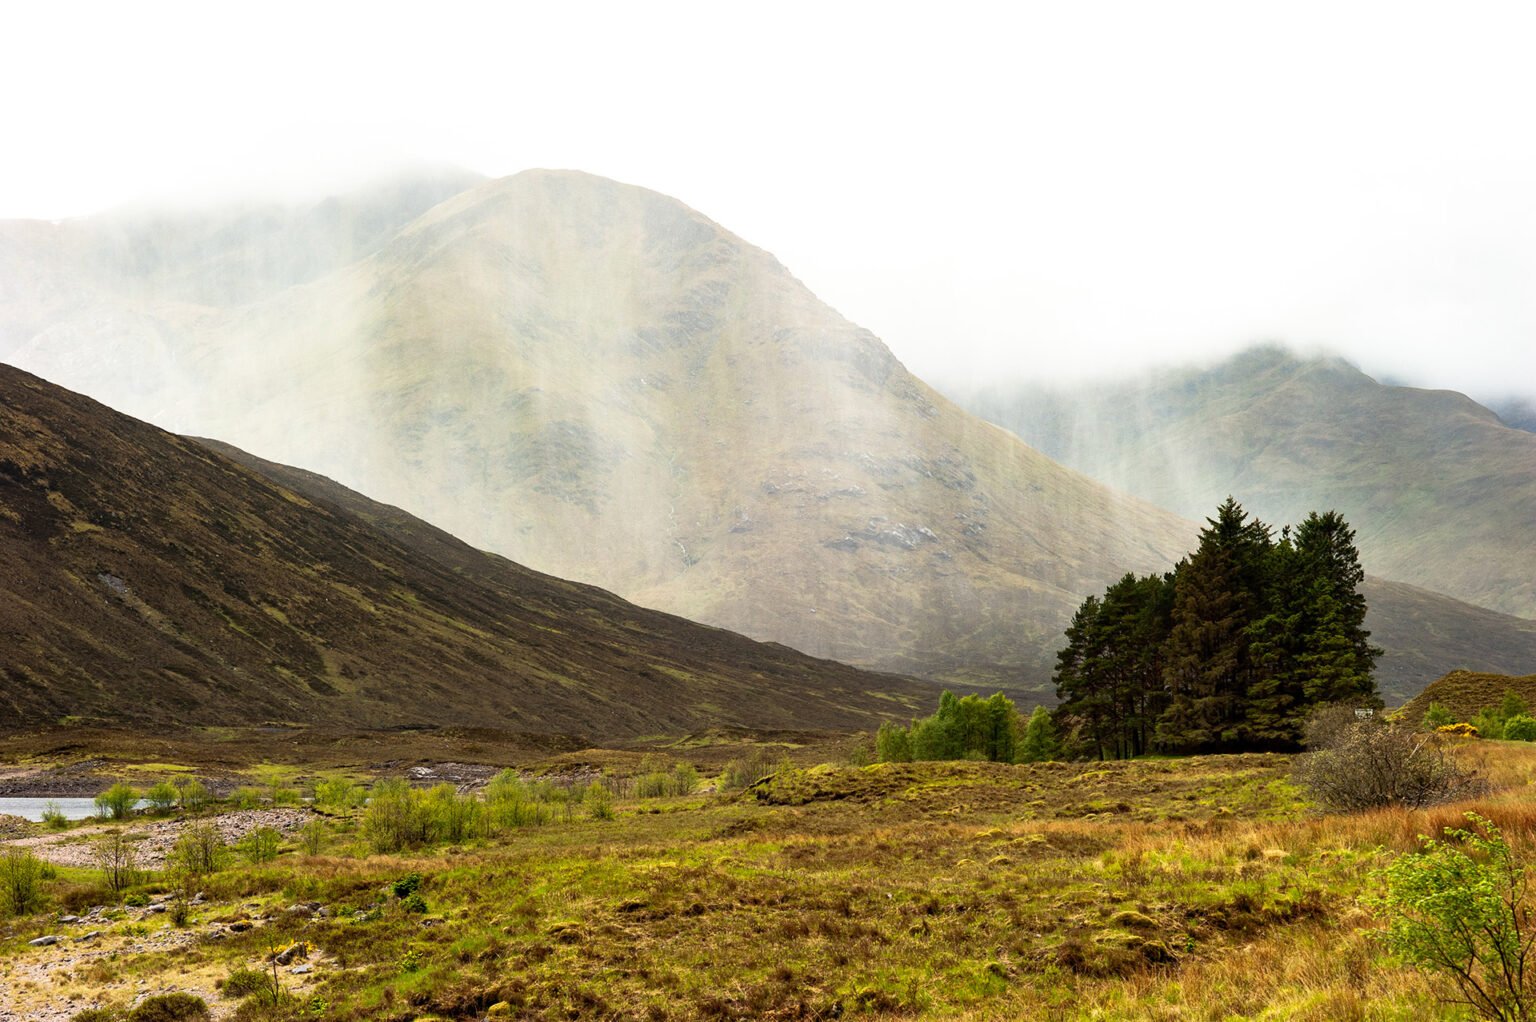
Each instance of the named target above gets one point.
<point>1517,413</point>
<point>149,580</point>
<point>1425,634</point>
<point>1441,493</point>
<point>598,381</point>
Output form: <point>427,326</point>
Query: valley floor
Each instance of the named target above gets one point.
<point>1201,888</point>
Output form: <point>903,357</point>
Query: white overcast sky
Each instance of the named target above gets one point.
<point>1039,190</point>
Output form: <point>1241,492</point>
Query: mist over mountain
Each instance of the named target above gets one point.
<point>1442,493</point>
<point>150,580</point>
<point>596,380</point>
<point>1518,413</point>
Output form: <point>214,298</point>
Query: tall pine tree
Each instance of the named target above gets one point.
<point>1208,667</point>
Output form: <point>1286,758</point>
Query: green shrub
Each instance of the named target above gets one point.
<point>312,836</point>
<point>685,779</point>
<point>177,1007</point>
<point>117,858</point>
<point>191,794</point>
<point>247,983</point>
<point>117,801</point>
<point>246,798</point>
<point>893,744</point>
<point>260,845</point>
<point>395,818</point>
<point>452,817</point>
<point>161,796</point>
<point>21,887</point>
<point>599,801</point>
<point>282,796</point>
<point>53,817</point>
<point>1436,716</point>
<point>97,1015</point>
<point>414,902</point>
<point>199,850</point>
<point>1520,728</point>
<point>405,886</point>
<point>1040,743</point>
<point>742,773</point>
<point>1458,910</point>
<point>339,793</point>
<point>652,785</point>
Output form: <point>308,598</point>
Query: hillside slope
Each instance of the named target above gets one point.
<point>144,578</point>
<point>1464,693</point>
<point>1442,494</point>
<point>595,380</point>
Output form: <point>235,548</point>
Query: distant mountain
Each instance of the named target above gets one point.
<point>1518,413</point>
<point>593,379</point>
<point>1426,634</point>
<point>148,580</point>
<point>1442,494</point>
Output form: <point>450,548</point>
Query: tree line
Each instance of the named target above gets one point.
<point>970,727</point>
<point>1229,651</point>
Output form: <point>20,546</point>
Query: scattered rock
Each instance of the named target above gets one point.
<point>47,941</point>
<point>300,970</point>
<point>87,936</point>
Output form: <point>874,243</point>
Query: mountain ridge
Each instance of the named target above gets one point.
<point>1441,492</point>
<point>149,579</point>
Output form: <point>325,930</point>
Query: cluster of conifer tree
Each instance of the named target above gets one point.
<point>1229,651</point>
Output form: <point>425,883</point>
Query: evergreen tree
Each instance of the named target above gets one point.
<point>1336,656</point>
<point>1082,689</point>
<point>1218,595</point>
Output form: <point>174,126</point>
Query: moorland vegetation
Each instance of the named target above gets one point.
<point>1160,889</point>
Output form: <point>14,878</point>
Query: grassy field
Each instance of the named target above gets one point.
<point>1199,888</point>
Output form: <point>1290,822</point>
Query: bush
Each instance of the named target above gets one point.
<point>246,798</point>
<point>893,744</point>
<point>247,983</point>
<point>406,886</point>
<point>1458,910</point>
<point>176,1007</point>
<point>312,836</point>
<point>53,817</point>
<point>599,801</point>
<point>1040,743</point>
<point>161,797</point>
<point>339,793</point>
<point>199,850</point>
<point>21,888</point>
<point>1363,764</point>
<point>118,859</point>
<point>191,794</point>
<point>395,818</point>
<point>685,779</point>
<point>1520,728</point>
<point>740,774</point>
<point>1436,716</point>
<point>260,845</point>
<point>117,801</point>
